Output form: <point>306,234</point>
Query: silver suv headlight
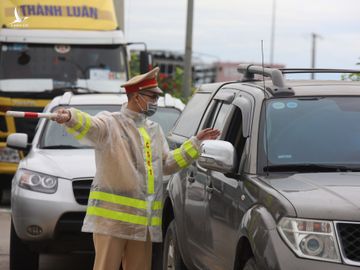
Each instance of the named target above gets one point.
<point>313,239</point>
<point>36,181</point>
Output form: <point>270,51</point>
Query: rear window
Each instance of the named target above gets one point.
<point>190,118</point>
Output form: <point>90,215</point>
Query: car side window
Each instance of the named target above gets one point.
<point>222,115</point>
<point>234,133</point>
<point>214,107</point>
<point>190,118</point>
<point>217,117</point>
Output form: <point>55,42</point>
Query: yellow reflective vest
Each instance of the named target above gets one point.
<point>131,155</point>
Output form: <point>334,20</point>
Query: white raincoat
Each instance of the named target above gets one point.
<point>131,154</point>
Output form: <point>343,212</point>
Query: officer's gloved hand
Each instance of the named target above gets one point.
<point>62,116</point>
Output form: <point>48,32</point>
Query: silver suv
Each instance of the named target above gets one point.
<point>51,186</point>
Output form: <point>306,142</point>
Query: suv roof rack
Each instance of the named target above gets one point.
<point>276,75</point>
<point>316,70</point>
<point>279,88</point>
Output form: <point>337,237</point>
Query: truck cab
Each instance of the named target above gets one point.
<point>47,49</point>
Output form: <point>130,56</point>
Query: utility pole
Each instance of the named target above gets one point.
<point>313,53</point>
<point>188,50</point>
<point>272,39</point>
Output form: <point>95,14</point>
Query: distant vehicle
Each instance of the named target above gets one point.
<point>280,188</point>
<point>51,186</point>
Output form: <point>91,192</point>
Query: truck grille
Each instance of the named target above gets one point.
<point>349,235</point>
<point>81,190</point>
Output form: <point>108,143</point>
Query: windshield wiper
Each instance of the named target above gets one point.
<point>310,167</point>
<point>63,146</point>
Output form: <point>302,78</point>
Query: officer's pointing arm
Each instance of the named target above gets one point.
<point>84,127</point>
<point>188,152</point>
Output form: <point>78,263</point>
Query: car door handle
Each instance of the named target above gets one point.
<point>190,177</point>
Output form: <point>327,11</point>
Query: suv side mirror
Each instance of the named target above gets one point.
<point>218,156</point>
<point>17,141</point>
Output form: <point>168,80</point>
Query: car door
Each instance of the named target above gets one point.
<point>196,189</point>
<point>196,180</point>
<point>224,201</point>
<point>191,216</point>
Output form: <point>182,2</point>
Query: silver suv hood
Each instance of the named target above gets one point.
<point>69,164</point>
<point>332,196</point>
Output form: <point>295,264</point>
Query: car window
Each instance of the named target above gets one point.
<point>221,117</point>
<point>166,117</point>
<point>55,136</point>
<point>312,130</point>
<point>213,112</point>
<point>234,134</point>
<point>191,116</point>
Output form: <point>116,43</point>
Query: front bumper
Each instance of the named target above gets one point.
<point>274,254</point>
<point>53,213</point>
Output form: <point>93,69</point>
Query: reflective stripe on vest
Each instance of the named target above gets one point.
<point>188,149</point>
<point>122,200</point>
<point>125,217</point>
<point>177,154</point>
<point>86,128</point>
<point>148,159</point>
<point>80,125</point>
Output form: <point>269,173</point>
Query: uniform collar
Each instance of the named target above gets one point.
<point>137,117</point>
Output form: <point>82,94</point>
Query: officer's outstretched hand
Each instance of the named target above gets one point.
<point>62,116</point>
<point>208,134</point>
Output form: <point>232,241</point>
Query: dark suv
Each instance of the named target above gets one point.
<point>280,189</point>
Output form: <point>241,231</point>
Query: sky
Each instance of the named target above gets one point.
<point>232,30</point>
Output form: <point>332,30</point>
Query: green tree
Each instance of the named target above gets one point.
<point>134,64</point>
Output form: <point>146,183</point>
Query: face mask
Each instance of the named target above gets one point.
<point>150,108</point>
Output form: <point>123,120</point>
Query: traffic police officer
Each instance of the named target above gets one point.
<point>132,155</point>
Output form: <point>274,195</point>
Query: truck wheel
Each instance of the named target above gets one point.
<point>250,264</point>
<point>172,258</point>
<point>21,257</point>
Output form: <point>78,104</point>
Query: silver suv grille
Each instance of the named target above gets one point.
<point>81,190</point>
<point>349,236</point>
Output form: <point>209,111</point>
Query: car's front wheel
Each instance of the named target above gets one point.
<point>172,258</point>
<point>21,257</point>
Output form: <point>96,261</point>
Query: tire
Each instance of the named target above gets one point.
<point>250,264</point>
<point>171,257</point>
<point>21,257</point>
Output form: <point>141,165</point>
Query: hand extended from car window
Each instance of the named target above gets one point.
<point>208,134</point>
<point>62,116</point>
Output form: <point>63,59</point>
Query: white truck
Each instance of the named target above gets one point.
<point>48,47</point>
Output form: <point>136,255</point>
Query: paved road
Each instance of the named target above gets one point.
<point>47,262</point>
<point>4,239</point>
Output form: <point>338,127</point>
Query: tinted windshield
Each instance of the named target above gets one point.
<point>55,136</point>
<point>62,63</point>
<point>311,131</point>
